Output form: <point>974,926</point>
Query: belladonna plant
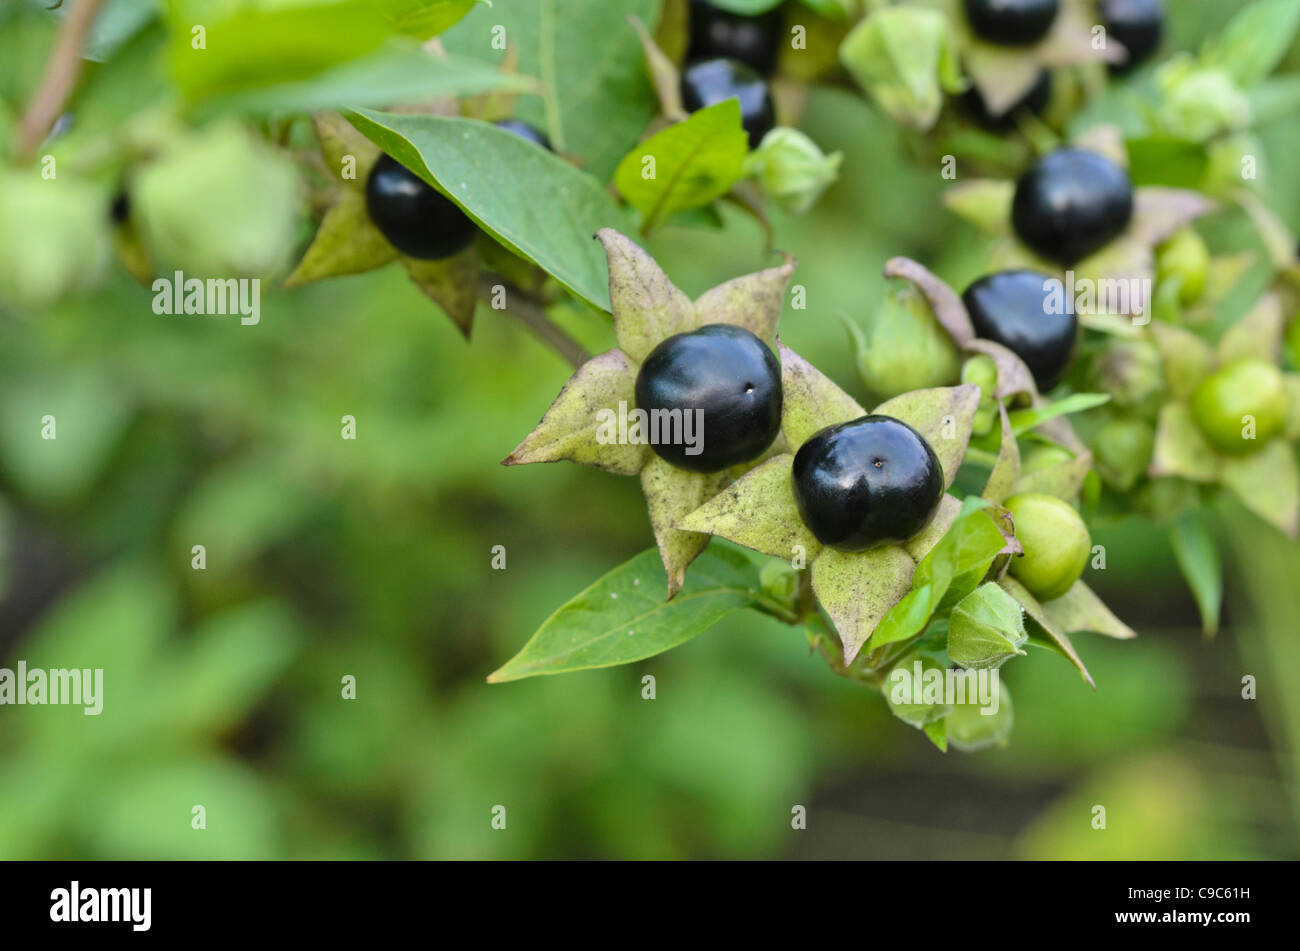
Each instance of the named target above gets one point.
<point>938,586</point>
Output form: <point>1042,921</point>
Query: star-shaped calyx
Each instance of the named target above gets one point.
<point>649,309</point>
<point>1158,213</point>
<point>347,241</point>
<point>759,510</point>
<point>1262,474</point>
<point>1004,75</point>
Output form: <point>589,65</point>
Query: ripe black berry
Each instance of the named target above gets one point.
<point>868,482</point>
<point>525,131</point>
<point>1071,203</point>
<point>1034,102</point>
<point>1137,24</point>
<point>1012,22</point>
<point>1012,308</point>
<point>420,222</point>
<point>753,40</point>
<point>731,378</point>
<point>711,81</point>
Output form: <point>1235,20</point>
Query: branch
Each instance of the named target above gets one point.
<point>534,318</point>
<point>61,75</point>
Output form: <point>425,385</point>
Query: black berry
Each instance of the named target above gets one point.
<point>1137,24</point>
<point>1033,102</point>
<point>711,81</point>
<point>1014,308</point>
<point>525,131</point>
<point>1012,22</point>
<point>869,482</point>
<point>752,40</point>
<point>416,219</point>
<point>1071,203</point>
<point>120,209</point>
<point>731,378</point>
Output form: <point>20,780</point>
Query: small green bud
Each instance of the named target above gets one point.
<point>779,581</point>
<point>1056,544</point>
<point>905,348</point>
<point>986,416</point>
<point>974,726</point>
<point>1184,258</point>
<point>1122,451</point>
<point>54,238</point>
<point>905,57</point>
<point>1200,104</point>
<point>981,371</point>
<point>915,690</point>
<point>1131,372</point>
<point>986,628</point>
<point>792,171</point>
<point>219,204</point>
<point>1241,406</point>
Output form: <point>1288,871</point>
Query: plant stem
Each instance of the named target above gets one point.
<point>533,316</point>
<point>61,75</point>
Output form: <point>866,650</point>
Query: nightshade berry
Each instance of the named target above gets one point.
<point>1071,203</point>
<point>752,40</point>
<point>1241,406</point>
<point>1033,102</point>
<point>1012,22</point>
<point>711,81</point>
<point>1013,308</point>
<point>416,219</point>
<point>726,378</point>
<point>1137,24</point>
<point>868,482</point>
<point>525,131</point>
<point>1056,544</point>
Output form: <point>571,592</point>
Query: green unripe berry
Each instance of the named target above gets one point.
<point>1056,544</point>
<point>1123,449</point>
<point>1241,406</point>
<point>1042,457</point>
<point>1184,257</point>
<point>981,371</point>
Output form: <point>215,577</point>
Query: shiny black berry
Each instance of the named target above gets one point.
<point>869,482</point>
<point>1033,102</point>
<point>1137,24</point>
<point>1071,203</point>
<point>728,381</point>
<point>1019,310</point>
<point>417,220</point>
<point>711,81</point>
<point>1012,22</point>
<point>525,131</point>
<point>752,40</point>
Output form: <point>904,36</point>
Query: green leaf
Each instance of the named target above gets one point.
<point>693,162</point>
<point>596,98</point>
<point>1254,41</point>
<point>398,72</point>
<point>986,628</point>
<point>1163,160</point>
<point>248,47</point>
<point>423,19</point>
<point>531,201</point>
<point>1023,420</point>
<point>622,617</point>
<point>966,550</point>
<point>1198,559</point>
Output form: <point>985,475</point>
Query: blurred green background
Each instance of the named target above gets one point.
<point>371,558</point>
